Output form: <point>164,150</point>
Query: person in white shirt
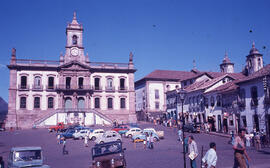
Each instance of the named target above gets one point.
<point>210,158</point>
<point>193,151</point>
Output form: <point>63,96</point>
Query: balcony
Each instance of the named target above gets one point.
<point>69,87</point>
<point>122,89</point>
<point>97,88</point>
<point>37,87</point>
<point>23,87</point>
<point>110,89</point>
<point>50,88</point>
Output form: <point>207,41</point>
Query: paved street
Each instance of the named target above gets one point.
<point>166,153</point>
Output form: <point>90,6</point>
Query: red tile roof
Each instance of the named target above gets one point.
<point>227,87</point>
<point>261,73</point>
<point>167,74</point>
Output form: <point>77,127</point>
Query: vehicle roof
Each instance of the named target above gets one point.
<point>149,129</point>
<point>99,130</point>
<point>25,148</point>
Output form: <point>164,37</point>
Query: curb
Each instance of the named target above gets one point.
<point>219,134</point>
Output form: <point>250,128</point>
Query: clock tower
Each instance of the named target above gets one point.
<point>74,44</point>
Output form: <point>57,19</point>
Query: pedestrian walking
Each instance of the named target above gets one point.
<point>240,150</point>
<point>148,140</point>
<point>2,163</point>
<point>247,137</point>
<point>193,151</point>
<point>257,140</point>
<point>64,151</point>
<point>86,140</point>
<point>180,135</point>
<point>144,144</point>
<point>210,158</point>
<point>151,141</point>
<point>186,144</point>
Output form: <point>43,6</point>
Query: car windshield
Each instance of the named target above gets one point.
<point>27,155</point>
<point>106,148</point>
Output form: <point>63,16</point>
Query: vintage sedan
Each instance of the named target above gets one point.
<point>108,155</point>
<point>108,136</point>
<point>20,157</point>
<point>96,134</point>
<point>82,133</point>
<point>133,131</point>
<point>142,137</point>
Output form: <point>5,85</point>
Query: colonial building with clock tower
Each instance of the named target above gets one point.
<point>73,90</point>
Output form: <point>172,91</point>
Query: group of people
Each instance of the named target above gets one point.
<point>149,141</point>
<point>241,158</point>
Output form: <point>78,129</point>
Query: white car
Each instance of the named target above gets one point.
<point>159,133</point>
<point>133,131</point>
<point>96,134</point>
<point>81,134</point>
<point>108,136</point>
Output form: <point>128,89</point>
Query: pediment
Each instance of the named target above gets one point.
<point>74,65</point>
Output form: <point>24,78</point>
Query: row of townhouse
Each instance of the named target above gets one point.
<point>226,100</point>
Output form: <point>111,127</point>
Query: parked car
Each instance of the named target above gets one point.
<point>159,133</point>
<point>108,155</point>
<point>133,131</point>
<point>190,128</point>
<point>68,134</point>
<point>141,137</point>
<point>80,134</point>
<point>58,127</point>
<point>96,133</point>
<point>21,157</point>
<point>121,128</point>
<point>108,136</point>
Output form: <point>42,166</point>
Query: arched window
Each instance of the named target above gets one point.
<point>68,103</point>
<point>122,84</point>
<point>37,102</point>
<point>109,84</point>
<point>68,82</point>
<point>81,103</point>
<point>74,40</point>
<point>23,82</point>
<point>110,103</point>
<point>218,101</point>
<point>50,102</point>
<point>23,102</point>
<point>259,62</point>
<point>50,82</point>
<point>80,83</point>
<point>122,103</point>
<point>212,99</point>
<point>37,82</point>
<point>97,102</point>
<point>254,96</point>
<point>97,84</point>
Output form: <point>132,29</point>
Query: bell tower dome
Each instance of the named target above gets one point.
<point>254,60</point>
<point>74,44</point>
<point>226,66</point>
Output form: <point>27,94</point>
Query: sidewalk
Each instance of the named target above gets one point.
<point>219,134</point>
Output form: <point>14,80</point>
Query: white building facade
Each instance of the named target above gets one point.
<point>71,90</point>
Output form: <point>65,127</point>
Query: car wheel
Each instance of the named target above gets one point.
<point>118,140</point>
<point>93,138</point>
<point>101,142</point>
<point>129,135</point>
<point>155,139</point>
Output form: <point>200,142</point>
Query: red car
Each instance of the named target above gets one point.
<point>121,128</point>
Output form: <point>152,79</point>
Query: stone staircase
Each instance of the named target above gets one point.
<point>39,123</point>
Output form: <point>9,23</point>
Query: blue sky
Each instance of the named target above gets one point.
<point>162,34</point>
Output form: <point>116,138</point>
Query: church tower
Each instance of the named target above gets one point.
<point>226,66</point>
<point>254,60</point>
<point>74,44</point>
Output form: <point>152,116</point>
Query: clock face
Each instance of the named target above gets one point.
<point>74,51</point>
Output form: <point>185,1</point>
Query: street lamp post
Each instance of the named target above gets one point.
<point>182,94</point>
